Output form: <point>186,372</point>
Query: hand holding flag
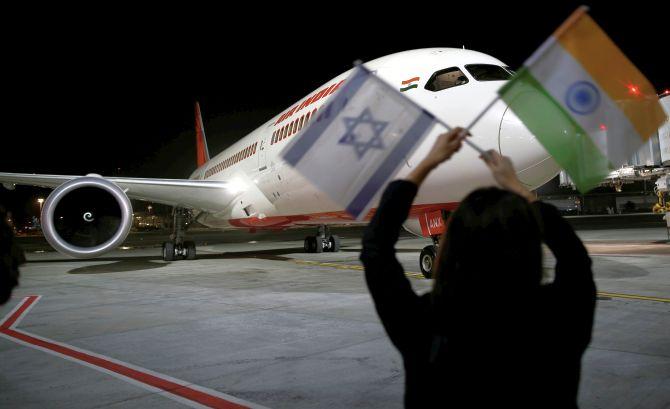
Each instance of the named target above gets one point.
<point>503,172</point>
<point>446,145</point>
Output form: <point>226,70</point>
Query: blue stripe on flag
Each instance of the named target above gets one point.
<point>385,170</point>
<point>326,116</point>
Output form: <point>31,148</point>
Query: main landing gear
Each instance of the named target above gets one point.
<point>177,248</point>
<point>323,241</point>
<point>427,258</point>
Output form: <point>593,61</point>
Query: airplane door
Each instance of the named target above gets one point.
<point>262,156</point>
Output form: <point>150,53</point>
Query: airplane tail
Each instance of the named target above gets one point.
<point>200,139</point>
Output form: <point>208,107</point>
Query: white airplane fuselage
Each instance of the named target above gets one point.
<point>273,195</point>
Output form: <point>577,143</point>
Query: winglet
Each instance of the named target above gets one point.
<point>200,139</point>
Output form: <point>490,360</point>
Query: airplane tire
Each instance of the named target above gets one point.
<point>310,244</point>
<point>426,261</point>
<point>318,245</point>
<point>334,243</point>
<point>190,250</point>
<point>313,244</point>
<point>168,251</point>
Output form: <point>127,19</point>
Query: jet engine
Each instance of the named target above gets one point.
<point>86,217</point>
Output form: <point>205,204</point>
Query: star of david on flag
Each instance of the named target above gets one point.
<point>359,141</point>
<point>355,128</point>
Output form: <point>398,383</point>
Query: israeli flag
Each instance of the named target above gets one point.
<point>359,141</point>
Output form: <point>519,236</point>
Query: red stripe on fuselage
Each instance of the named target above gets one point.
<point>274,222</point>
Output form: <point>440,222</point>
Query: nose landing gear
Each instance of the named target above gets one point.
<point>427,258</point>
<point>323,241</point>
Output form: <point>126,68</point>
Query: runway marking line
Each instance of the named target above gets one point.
<point>634,297</point>
<point>175,389</point>
<point>420,276</point>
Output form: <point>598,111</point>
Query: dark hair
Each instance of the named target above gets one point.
<point>492,247</point>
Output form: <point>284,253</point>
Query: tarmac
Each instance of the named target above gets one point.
<point>255,322</point>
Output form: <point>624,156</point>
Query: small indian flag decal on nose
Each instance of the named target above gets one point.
<point>409,84</point>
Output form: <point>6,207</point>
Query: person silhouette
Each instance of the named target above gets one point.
<point>491,333</point>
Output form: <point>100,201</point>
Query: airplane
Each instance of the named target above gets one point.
<point>248,186</point>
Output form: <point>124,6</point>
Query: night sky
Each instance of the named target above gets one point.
<point>112,91</point>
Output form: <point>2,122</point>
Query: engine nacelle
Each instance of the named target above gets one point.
<point>86,217</point>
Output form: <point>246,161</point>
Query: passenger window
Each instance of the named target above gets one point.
<point>447,78</point>
<point>488,72</point>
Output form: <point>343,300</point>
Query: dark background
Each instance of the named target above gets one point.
<point>111,91</point>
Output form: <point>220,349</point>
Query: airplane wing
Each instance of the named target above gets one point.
<point>204,195</point>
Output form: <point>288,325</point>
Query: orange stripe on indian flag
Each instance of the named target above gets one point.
<point>612,70</point>
<point>410,80</point>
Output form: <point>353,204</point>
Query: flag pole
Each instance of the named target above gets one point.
<point>473,123</point>
<point>482,113</point>
<point>466,140</point>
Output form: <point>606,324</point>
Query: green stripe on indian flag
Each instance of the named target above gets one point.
<point>570,145</point>
<point>566,80</point>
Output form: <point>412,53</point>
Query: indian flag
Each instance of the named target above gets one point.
<point>588,105</point>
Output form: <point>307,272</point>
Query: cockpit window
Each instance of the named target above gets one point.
<point>447,78</point>
<point>488,72</point>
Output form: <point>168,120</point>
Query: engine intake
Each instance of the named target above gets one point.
<point>86,217</point>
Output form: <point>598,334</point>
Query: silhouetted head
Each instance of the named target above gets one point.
<point>492,248</point>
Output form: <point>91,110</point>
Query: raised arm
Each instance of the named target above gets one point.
<point>398,306</point>
<point>573,279</point>
<point>573,265</point>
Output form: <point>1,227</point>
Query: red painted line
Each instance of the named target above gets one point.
<point>410,80</point>
<point>9,322</point>
<point>152,380</point>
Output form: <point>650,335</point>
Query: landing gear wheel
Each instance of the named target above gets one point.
<point>318,245</point>
<point>313,244</point>
<point>310,244</point>
<point>168,251</point>
<point>189,247</point>
<point>334,243</point>
<point>426,261</point>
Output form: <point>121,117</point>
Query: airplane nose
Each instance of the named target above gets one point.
<point>533,163</point>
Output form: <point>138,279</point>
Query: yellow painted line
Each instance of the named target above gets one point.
<point>333,265</point>
<point>420,276</point>
<point>635,297</point>
<point>410,274</point>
